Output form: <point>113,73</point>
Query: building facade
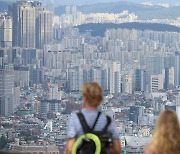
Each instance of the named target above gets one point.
<point>32,24</point>
<point>156,82</point>
<point>7,90</point>
<point>5,31</point>
<point>115,78</point>
<point>177,68</point>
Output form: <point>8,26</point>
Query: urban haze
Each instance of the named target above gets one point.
<point>49,49</point>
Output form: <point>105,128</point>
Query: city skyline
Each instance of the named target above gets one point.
<point>45,58</point>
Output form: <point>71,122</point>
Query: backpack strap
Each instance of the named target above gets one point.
<point>98,115</point>
<point>107,124</point>
<point>85,127</point>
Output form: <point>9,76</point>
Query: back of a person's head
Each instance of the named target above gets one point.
<point>167,133</point>
<point>93,93</point>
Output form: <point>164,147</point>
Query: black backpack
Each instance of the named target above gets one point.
<point>88,146</point>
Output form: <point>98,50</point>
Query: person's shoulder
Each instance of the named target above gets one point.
<point>106,118</point>
<point>106,115</point>
<point>74,114</point>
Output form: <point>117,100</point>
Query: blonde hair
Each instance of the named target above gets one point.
<point>93,93</point>
<point>166,137</point>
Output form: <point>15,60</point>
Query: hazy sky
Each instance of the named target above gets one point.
<point>83,2</point>
<point>80,2</point>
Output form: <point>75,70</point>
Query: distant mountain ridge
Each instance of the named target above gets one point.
<point>99,29</point>
<point>143,11</point>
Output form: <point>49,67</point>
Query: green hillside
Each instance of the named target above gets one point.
<point>99,29</point>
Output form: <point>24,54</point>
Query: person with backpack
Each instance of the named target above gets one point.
<point>91,131</point>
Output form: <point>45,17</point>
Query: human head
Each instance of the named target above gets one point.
<point>92,94</point>
<point>167,133</point>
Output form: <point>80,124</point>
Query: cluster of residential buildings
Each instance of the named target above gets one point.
<point>72,17</point>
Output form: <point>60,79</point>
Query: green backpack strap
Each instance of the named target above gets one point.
<point>90,136</point>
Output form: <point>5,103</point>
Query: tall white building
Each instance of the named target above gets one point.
<point>177,101</point>
<point>178,112</point>
<point>73,78</point>
<point>32,24</point>
<point>97,75</point>
<point>21,76</point>
<point>177,68</point>
<point>5,31</point>
<point>23,15</point>
<point>16,97</point>
<point>115,78</point>
<point>156,82</point>
<point>43,28</point>
<point>68,9</point>
<point>127,84</point>
<point>100,75</point>
<point>54,93</point>
<point>74,9</point>
<point>171,76</point>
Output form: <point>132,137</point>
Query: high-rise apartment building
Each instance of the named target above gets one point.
<point>115,78</point>
<point>155,65</point>
<point>169,77</point>
<point>140,80</point>
<point>6,90</point>
<point>97,75</point>
<point>32,24</point>
<point>68,9</point>
<point>23,15</point>
<point>177,103</point>
<point>43,28</point>
<point>74,9</point>
<point>54,94</point>
<point>178,112</point>
<point>127,84</point>
<point>177,68</point>
<point>156,82</point>
<point>22,75</point>
<point>5,31</point>
<point>100,75</point>
<point>73,79</point>
<point>177,100</point>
